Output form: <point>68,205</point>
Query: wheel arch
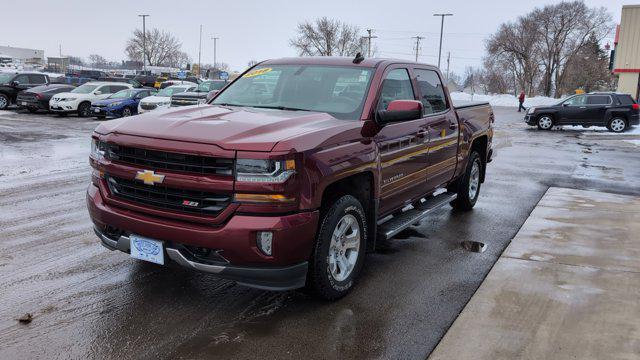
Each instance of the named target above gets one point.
<point>481,144</point>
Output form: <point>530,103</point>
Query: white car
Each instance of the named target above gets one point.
<point>162,100</point>
<point>79,99</point>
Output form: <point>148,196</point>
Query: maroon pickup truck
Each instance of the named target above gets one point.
<point>291,173</point>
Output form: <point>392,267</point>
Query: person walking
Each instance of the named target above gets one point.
<point>521,101</point>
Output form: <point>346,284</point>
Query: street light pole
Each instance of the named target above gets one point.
<point>441,29</point>
<point>200,53</point>
<point>215,45</point>
<point>144,43</point>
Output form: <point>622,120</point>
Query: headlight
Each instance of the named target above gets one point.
<point>116,104</point>
<point>68,99</point>
<point>264,171</point>
<point>98,149</point>
<point>202,101</point>
<point>166,103</point>
<point>531,110</point>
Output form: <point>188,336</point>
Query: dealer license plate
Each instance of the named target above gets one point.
<point>24,103</point>
<point>146,249</point>
<point>97,110</point>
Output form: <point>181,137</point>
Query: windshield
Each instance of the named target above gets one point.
<point>123,94</point>
<point>168,91</point>
<point>337,90</point>
<point>4,78</point>
<point>84,89</point>
<point>210,85</point>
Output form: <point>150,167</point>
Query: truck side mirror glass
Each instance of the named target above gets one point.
<point>98,92</point>
<point>399,110</point>
<point>15,83</point>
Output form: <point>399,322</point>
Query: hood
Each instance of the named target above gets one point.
<point>70,94</point>
<point>231,128</point>
<point>155,99</point>
<point>191,94</point>
<point>108,101</point>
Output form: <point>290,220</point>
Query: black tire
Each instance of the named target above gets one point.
<point>465,201</point>
<point>320,279</point>
<point>617,124</point>
<point>84,109</point>
<point>4,101</point>
<point>545,122</point>
<point>126,112</point>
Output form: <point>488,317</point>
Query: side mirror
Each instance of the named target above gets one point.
<point>98,92</point>
<point>565,104</point>
<point>399,110</point>
<point>15,83</point>
<point>212,94</point>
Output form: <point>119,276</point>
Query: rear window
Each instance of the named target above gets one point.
<point>598,100</point>
<point>626,100</point>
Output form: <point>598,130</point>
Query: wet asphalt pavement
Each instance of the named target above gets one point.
<point>88,302</point>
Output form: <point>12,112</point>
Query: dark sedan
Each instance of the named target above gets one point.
<point>37,98</point>
<point>615,111</point>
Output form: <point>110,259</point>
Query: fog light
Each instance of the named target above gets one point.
<point>264,240</point>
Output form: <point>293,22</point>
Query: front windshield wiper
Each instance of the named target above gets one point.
<point>280,108</point>
<point>227,104</point>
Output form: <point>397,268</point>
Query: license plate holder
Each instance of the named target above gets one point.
<point>24,103</point>
<point>143,248</point>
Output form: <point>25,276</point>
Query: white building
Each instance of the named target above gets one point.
<point>23,56</point>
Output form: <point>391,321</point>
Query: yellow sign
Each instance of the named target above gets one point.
<point>149,177</point>
<point>257,72</point>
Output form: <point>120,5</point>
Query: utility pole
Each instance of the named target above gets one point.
<point>441,29</point>
<point>200,52</point>
<point>448,62</point>
<point>215,62</point>
<point>418,38</point>
<point>144,43</point>
<point>369,37</point>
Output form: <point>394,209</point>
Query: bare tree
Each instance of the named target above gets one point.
<point>251,63</point>
<point>588,70</point>
<point>326,37</point>
<point>162,49</point>
<point>97,60</point>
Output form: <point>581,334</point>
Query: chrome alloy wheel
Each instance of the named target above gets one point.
<point>617,125</point>
<point>3,102</point>
<point>344,248</point>
<point>545,122</point>
<point>474,180</point>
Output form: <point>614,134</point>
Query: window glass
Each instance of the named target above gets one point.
<point>576,100</point>
<point>116,88</point>
<point>396,86</point>
<point>22,79</point>
<point>337,90</point>
<point>37,79</point>
<point>598,100</point>
<point>626,99</point>
<point>84,89</point>
<point>431,91</point>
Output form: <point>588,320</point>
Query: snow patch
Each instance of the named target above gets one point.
<point>504,99</point>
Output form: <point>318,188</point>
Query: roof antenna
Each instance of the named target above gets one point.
<point>358,58</point>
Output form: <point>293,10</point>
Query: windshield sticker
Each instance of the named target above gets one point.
<point>257,72</point>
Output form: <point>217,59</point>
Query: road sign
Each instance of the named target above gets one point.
<point>182,74</point>
<point>223,75</point>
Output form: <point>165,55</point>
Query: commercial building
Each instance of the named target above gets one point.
<point>23,56</point>
<point>626,63</point>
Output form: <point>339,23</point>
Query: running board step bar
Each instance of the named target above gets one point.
<point>400,222</point>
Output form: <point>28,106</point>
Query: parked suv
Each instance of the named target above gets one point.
<point>12,84</point>
<point>286,179</point>
<point>615,111</point>
<point>198,96</point>
<point>162,100</point>
<point>79,99</point>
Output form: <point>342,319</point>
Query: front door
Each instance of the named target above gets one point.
<point>402,145</point>
<point>574,110</point>
<point>442,124</point>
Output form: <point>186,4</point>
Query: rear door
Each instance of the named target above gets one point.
<point>442,125</point>
<point>403,146</point>
<point>597,106</point>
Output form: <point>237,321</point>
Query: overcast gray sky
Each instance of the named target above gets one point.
<point>261,29</point>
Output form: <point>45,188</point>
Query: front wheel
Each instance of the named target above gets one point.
<point>84,109</point>
<point>617,125</point>
<point>126,112</point>
<point>339,251</point>
<point>545,122</point>
<point>468,186</point>
<point>4,101</point>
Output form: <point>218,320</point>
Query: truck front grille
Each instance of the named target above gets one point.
<point>162,160</point>
<point>146,106</point>
<point>162,197</point>
<point>183,102</point>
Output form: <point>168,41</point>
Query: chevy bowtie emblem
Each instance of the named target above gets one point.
<point>149,177</point>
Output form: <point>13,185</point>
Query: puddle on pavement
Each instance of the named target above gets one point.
<point>474,246</point>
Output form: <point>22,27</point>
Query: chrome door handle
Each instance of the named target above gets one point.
<point>452,125</point>
<point>421,133</point>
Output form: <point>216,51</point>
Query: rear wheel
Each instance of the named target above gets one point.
<point>617,125</point>
<point>339,251</point>
<point>126,112</point>
<point>84,109</point>
<point>468,186</point>
<point>545,122</point>
<point>4,101</point>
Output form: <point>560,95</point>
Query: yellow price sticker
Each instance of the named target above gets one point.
<point>257,72</point>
